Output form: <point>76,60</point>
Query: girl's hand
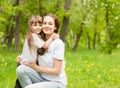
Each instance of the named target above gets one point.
<point>19,59</point>
<point>55,36</point>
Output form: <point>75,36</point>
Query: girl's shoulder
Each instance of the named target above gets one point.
<point>34,35</point>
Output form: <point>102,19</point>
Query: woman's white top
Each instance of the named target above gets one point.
<point>55,51</point>
<point>30,55</point>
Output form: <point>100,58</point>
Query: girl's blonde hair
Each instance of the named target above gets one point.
<point>31,21</point>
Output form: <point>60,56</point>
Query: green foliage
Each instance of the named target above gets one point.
<point>7,10</point>
<point>90,12</point>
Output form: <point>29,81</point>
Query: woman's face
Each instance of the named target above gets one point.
<point>48,25</point>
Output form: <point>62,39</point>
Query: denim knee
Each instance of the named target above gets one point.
<point>20,70</point>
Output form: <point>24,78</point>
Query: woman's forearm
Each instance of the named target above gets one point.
<point>55,70</point>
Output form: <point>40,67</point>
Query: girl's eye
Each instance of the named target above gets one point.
<point>44,23</point>
<point>35,25</point>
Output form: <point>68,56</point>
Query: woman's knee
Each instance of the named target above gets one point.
<point>20,70</point>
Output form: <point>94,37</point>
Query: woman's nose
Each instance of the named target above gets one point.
<point>46,25</point>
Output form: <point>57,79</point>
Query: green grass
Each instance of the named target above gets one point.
<point>90,69</point>
<point>84,69</point>
<point>7,68</point>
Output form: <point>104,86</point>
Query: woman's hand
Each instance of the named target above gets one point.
<point>32,65</point>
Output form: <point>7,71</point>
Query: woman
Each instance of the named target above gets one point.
<point>50,71</point>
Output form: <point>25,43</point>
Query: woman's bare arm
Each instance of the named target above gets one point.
<point>55,70</point>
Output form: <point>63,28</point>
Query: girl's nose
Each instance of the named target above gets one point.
<point>38,26</point>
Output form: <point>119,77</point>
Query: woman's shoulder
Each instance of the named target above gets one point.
<point>58,41</point>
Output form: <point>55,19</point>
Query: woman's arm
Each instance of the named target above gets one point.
<point>55,70</point>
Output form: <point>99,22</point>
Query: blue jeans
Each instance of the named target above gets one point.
<point>30,78</point>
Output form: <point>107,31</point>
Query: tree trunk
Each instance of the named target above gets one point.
<point>64,29</point>
<point>65,24</point>
<point>78,37</point>
<point>1,9</point>
<point>10,30</point>
<point>88,41</point>
<point>94,38</point>
<point>80,32</point>
<point>95,33</point>
<point>40,7</point>
<point>10,37</point>
<point>5,36</point>
<point>17,32</point>
<point>107,25</point>
<point>58,5</point>
<point>109,45</point>
<point>6,32</point>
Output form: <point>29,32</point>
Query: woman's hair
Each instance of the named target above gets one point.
<point>31,21</point>
<point>41,51</point>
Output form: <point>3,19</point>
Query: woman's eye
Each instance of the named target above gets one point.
<point>50,23</point>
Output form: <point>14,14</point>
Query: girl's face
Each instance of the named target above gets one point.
<point>36,27</point>
<point>48,25</point>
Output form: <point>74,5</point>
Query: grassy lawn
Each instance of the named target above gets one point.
<point>84,68</point>
<point>7,69</point>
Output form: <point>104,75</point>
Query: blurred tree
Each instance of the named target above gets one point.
<point>66,19</point>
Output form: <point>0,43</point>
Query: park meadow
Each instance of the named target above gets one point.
<point>90,28</point>
<point>84,68</point>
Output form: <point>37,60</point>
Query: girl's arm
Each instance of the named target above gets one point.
<point>49,41</point>
<point>39,43</point>
<point>19,59</point>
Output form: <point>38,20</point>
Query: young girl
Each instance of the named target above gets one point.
<point>33,40</point>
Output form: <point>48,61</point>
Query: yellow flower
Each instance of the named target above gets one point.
<point>98,76</point>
